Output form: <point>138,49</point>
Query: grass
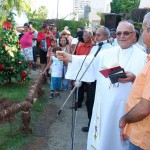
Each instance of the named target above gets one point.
<point>14,91</point>
<point>10,136</point>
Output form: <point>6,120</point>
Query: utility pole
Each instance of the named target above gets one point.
<point>57,7</point>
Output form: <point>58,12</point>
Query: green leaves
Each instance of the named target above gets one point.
<point>10,56</point>
<point>122,6</point>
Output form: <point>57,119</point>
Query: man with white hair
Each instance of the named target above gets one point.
<point>109,103</point>
<point>136,123</point>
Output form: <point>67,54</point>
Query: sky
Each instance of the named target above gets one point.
<point>65,7</point>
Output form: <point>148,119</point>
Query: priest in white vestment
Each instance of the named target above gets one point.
<point>109,105</point>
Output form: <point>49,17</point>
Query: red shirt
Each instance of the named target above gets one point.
<point>84,49</point>
<point>41,37</point>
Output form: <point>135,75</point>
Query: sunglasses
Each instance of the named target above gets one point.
<point>125,33</point>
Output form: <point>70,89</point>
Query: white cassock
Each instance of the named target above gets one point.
<point>109,105</point>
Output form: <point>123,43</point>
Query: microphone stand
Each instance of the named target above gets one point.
<point>77,85</point>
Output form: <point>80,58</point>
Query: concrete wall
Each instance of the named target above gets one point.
<point>144,4</point>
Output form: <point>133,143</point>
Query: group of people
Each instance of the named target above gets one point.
<point>120,115</point>
<point>46,40</point>
<point>109,127</point>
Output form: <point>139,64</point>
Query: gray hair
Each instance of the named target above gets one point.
<point>106,31</point>
<point>88,31</point>
<point>147,18</point>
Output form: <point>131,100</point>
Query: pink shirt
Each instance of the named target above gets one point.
<point>26,40</point>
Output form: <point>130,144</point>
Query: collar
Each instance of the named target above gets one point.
<point>104,42</point>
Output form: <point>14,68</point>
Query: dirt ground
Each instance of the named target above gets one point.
<point>53,132</point>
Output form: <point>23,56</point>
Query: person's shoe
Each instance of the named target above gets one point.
<point>57,95</point>
<point>80,106</point>
<point>51,96</point>
<point>85,129</point>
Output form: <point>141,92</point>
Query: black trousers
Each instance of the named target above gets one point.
<point>81,91</point>
<point>34,53</point>
<point>90,99</point>
<point>90,89</point>
<point>43,58</point>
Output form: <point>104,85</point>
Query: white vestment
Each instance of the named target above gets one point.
<point>109,105</point>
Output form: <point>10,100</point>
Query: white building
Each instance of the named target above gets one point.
<point>102,6</point>
<point>78,7</point>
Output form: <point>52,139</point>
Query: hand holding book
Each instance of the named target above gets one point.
<point>114,74</point>
<point>130,78</point>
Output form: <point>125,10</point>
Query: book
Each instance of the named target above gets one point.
<point>106,72</point>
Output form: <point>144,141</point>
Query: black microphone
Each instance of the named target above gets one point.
<point>99,48</point>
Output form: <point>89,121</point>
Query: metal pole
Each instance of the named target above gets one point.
<point>57,7</point>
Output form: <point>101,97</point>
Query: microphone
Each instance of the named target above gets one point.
<point>99,48</point>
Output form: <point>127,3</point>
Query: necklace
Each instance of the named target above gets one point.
<point>121,60</point>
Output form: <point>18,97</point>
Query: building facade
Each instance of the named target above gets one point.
<point>79,6</point>
<point>98,6</point>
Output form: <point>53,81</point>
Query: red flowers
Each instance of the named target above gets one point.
<point>1,66</point>
<point>23,76</point>
<point>7,25</point>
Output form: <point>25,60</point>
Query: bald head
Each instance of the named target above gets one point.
<point>146,30</point>
<point>125,34</point>
<point>147,19</point>
<point>127,24</point>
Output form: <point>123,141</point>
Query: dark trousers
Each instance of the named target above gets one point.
<point>90,99</point>
<point>81,93</point>
<point>34,53</point>
<point>90,89</point>
<point>43,58</point>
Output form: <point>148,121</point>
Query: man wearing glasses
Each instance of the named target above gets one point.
<point>110,101</point>
<point>136,123</point>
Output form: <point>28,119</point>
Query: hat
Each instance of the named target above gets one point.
<point>65,32</point>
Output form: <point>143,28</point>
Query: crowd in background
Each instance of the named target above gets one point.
<point>49,40</point>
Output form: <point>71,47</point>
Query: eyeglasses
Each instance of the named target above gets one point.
<point>125,33</point>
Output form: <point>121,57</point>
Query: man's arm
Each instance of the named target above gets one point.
<point>137,113</point>
<point>32,30</point>
<point>64,56</point>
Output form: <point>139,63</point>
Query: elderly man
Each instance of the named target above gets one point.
<point>137,119</point>
<point>109,103</point>
<point>102,35</point>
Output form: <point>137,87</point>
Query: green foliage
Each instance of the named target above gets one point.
<point>40,14</point>
<point>124,6</point>
<point>7,5</point>
<point>14,91</point>
<point>10,136</point>
<point>72,24</point>
<point>138,25</point>
<point>12,63</point>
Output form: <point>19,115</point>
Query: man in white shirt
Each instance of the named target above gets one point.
<point>109,103</point>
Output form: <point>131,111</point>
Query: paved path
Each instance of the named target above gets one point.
<point>54,133</point>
